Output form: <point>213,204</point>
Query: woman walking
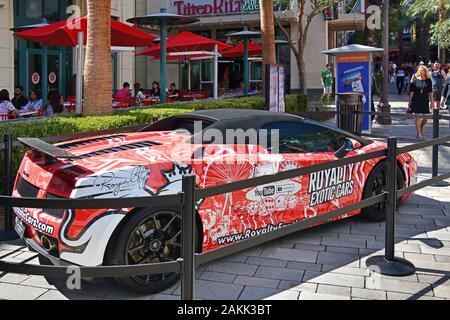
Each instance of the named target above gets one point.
<point>421,99</point>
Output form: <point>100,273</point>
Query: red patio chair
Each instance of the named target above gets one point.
<point>71,106</point>
<point>7,117</point>
<point>133,102</point>
<point>122,103</point>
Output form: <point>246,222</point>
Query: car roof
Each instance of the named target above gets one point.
<point>237,114</point>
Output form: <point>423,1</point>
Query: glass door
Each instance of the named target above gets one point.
<point>206,76</point>
<point>34,72</point>
<point>54,72</point>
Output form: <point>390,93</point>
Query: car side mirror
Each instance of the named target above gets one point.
<point>346,148</point>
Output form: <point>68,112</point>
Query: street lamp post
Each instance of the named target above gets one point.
<point>245,35</point>
<point>384,103</point>
<point>163,19</point>
<point>163,60</point>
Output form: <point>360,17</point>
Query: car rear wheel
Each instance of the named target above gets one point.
<point>375,185</point>
<point>148,237</point>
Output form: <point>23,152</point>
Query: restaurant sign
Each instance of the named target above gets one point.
<point>215,7</point>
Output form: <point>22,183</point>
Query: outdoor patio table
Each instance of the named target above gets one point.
<point>27,114</point>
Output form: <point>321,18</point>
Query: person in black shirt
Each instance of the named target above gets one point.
<point>421,99</point>
<point>19,101</point>
<point>156,90</point>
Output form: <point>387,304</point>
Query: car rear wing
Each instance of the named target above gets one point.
<point>49,151</point>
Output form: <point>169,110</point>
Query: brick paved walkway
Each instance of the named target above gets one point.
<point>327,262</point>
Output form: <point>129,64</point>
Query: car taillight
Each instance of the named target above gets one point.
<point>56,213</point>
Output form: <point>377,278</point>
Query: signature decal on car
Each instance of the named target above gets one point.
<point>125,182</point>
<point>112,182</point>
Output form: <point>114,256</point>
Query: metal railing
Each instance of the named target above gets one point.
<point>188,198</point>
<point>436,116</point>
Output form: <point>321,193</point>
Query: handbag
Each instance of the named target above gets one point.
<point>447,101</point>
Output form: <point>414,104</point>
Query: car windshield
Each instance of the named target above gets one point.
<point>300,137</point>
<point>183,124</point>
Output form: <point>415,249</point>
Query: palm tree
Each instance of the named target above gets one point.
<point>98,66</point>
<point>268,31</point>
<point>430,9</point>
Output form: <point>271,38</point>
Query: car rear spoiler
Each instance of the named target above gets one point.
<point>49,151</point>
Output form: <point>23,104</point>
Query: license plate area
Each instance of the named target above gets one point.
<point>19,227</point>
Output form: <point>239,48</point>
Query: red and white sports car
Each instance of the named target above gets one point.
<point>151,162</point>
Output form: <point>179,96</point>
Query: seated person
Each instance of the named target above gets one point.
<point>123,93</point>
<point>19,101</point>
<point>173,91</point>
<point>138,94</point>
<point>35,102</point>
<point>54,105</point>
<point>6,107</point>
<point>156,90</point>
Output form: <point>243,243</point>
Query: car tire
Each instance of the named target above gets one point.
<point>141,231</point>
<point>375,185</point>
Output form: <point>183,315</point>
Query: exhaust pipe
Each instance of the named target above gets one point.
<point>47,244</point>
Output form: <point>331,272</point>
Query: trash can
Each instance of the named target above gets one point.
<point>347,106</point>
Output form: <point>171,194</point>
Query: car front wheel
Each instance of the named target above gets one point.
<point>375,185</point>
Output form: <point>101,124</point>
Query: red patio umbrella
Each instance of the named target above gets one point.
<point>186,42</point>
<point>238,51</point>
<point>64,33</point>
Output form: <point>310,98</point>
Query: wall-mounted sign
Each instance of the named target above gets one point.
<point>35,78</point>
<point>52,78</point>
<point>214,7</point>
<point>250,5</point>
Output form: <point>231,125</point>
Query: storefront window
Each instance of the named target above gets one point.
<point>203,33</point>
<point>222,34</point>
<point>39,9</point>
<point>34,9</point>
<point>51,10</point>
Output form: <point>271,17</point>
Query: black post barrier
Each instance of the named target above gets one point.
<point>435,161</point>
<point>8,233</point>
<point>435,154</point>
<point>389,264</point>
<point>188,239</point>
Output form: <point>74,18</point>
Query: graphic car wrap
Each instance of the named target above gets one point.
<point>122,166</point>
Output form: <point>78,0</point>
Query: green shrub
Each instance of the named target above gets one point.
<point>59,126</point>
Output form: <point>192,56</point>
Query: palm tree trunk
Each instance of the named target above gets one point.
<point>98,66</point>
<point>268,31</point>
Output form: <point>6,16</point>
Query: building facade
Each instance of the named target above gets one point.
<point>53,68</point>
<point>6,45</point>
<point>34,66</point>
<point>220,17</point>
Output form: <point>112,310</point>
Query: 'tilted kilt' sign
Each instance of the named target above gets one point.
<point>250,5</point>
<point>215,7</point>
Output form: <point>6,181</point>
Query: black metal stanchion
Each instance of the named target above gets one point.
<point>389,264</point>
<point>188,239</point>
<point>435,157</point>
<point>8,233</point>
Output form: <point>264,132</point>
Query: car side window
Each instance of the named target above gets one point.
<point>299,137</point>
